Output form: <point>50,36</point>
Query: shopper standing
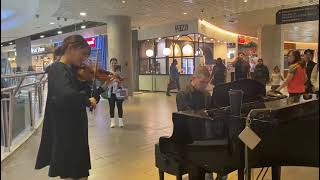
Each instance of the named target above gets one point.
<point>276,78</point>
<point>112,97</point>
<point>261,73</point>
<point>174,77</point>
<point>242,67</point>
<point>219,72</point>
<point>308,56</point>
<point>296,77</point>
<point>64,143</point>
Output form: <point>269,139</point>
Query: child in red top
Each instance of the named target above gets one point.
<point>296,76</point>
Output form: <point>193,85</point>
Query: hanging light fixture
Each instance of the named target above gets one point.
<point>166,51</point>
<point>198,52</point>
<point>149,52</point>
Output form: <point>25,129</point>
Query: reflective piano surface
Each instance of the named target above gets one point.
<point>209,140</point>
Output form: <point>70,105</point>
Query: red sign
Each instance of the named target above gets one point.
<point>91,41</point>
<point>242,40</point>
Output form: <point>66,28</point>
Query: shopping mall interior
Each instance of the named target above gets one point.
<point>160,89</point>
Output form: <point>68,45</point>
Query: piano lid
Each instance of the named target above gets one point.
<point>252,91</point>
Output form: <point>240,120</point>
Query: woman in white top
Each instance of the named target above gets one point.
<point>276,78</point>
<point>112,98</point>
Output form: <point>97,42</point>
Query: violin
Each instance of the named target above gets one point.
<point>89,72</point>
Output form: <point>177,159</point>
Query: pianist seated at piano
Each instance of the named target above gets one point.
<point>196,97</point>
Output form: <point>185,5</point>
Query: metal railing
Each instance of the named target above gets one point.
<point>16,117</point>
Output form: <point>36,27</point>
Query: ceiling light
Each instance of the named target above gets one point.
<point>225,42</point>
<point>83,14</point>
<point>10,42</point>
<point>42,36</point>
<point>211,39</point>
<point>245,1</point>
<point>123,2</point>
<point>159,38</point>
<point>218,41</point>
<point>178,36</point>
<point>83,27</point>
<point>185,13</point>
<point>1,45</point>
<point>51,23</point>
<point>204,37</point>
<point>59,32</point>
<point>149,52</point>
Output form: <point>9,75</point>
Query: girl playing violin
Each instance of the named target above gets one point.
<point>64,143</point>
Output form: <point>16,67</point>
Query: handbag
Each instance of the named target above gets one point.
<point>122,93</point>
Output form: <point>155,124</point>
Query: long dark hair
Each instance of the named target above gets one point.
<point>74,41</point>
<point>297,58</point>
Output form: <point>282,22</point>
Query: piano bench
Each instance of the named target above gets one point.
<point>167,164</point>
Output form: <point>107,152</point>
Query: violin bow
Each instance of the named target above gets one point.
<point>94,78</point>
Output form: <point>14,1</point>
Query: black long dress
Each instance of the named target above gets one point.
<point>64,142</point>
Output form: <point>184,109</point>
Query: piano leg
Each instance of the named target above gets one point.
<point>179,177</point>
<point>276,172</point>
<point>196,173</point>
<point>161,175</point>
<point>240,174</point>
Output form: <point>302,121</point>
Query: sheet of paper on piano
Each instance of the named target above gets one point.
<point>249,138</point>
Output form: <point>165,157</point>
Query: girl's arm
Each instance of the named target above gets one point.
<point>286,82</point>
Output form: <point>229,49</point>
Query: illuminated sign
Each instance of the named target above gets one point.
<point>91,41</point>
<point>298,14</point>
<point>38,50</point>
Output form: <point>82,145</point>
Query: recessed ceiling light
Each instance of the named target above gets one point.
<point>218,41</point>
<point>83,14</point>
<point>83,27</point>
<point>245,1</point>
<point>204,37</point>
<point>59,32</point>
<point>10,42</point>
<point>51,23</point>
<point>225,42</point>
<point>1,45</point>
<point>159,38</point>
<point>185,13</point>
<point>211,39</point>
<point>123,2</point>
<point>42,36</point>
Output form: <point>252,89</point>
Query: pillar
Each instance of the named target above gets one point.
<point>23,49</point>
<point>271,46</point>
<point>120,47</point>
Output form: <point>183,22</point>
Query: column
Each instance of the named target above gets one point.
<point>120,47</point>
<point>23,49</point>
<point>271,46</point>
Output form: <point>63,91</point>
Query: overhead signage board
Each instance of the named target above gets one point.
<point>181,27</point>
<point>299,14</point>
<point>38,50</point>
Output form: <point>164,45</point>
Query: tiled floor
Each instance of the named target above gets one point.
<point>123,154</point>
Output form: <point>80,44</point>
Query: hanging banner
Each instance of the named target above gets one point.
<point>299,14</point>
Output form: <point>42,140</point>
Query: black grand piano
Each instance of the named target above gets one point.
<point>207,140</point>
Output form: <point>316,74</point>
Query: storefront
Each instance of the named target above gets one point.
<point>42,56</point>
<point>191,43</point>
<point>98,46</point>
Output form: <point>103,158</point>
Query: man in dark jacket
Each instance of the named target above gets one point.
<point>308,56</point>
<point>261,73</point>
<point>196,97</point>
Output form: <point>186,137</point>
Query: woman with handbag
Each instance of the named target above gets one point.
<point>115,94</point>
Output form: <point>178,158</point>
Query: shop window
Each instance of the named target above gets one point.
<point>187,66</point>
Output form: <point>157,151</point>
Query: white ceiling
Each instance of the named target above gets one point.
<point>248,16</point>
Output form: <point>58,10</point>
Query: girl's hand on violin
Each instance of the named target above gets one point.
<point>93,102</point>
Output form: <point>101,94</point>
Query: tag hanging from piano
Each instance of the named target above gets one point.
<point>249,137</point>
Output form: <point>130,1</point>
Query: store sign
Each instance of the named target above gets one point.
<point>241,40</point>
<point>181,27</point>
<point>91,41</point>
<point>299,14</point>
<point>38,50</point>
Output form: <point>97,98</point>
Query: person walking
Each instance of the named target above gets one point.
<point>64,143</point>
<point>219,71</point>
<point>174,77</point>
<point>296,78</point>
<point>261,73</point>
<point>315,79</point>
